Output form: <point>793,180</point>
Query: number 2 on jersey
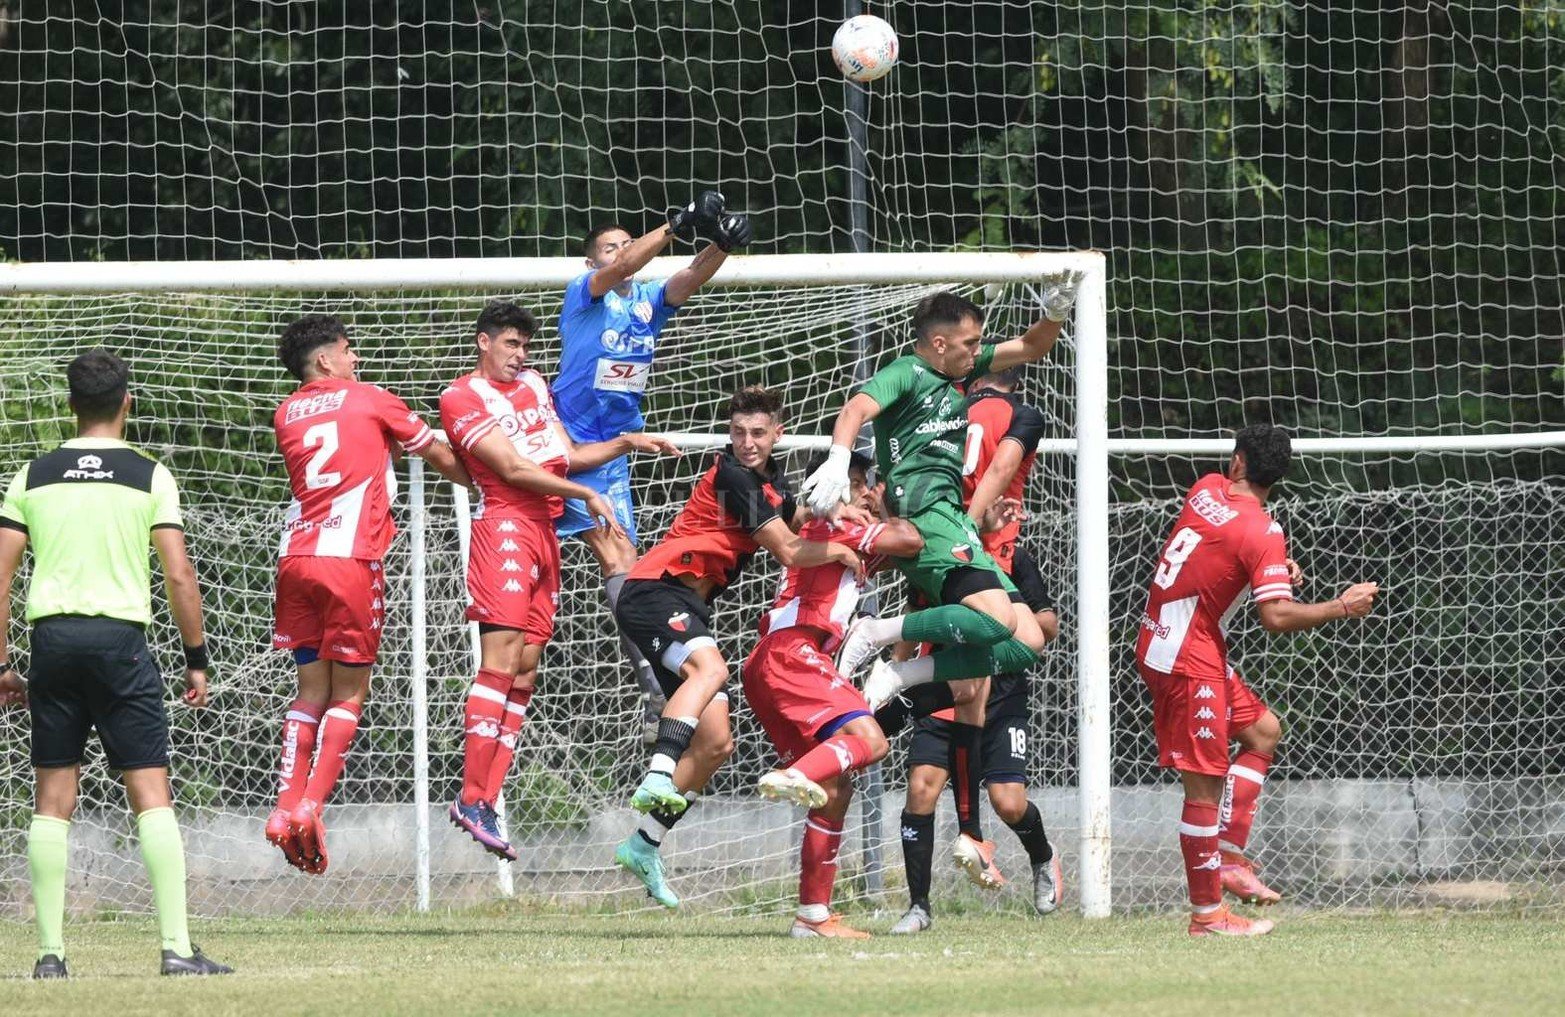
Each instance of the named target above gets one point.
<point>315,474</point>
<point>1179,550</point>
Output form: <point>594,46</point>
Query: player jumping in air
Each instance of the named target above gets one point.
<point>1002,439</point>
<point>818,722</point>
<point>919,409</point>
<point>337,436</point>
<point>509,437</point>
<point>1224,544</point>
<point>741,503</point>
<point>609,328</point>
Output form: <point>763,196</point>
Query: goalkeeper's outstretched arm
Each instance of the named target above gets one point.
<point>1057,298</point>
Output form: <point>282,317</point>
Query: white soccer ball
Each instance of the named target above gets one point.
<point>865,47</point>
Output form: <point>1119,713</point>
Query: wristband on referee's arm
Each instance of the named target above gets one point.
<point>196,658</point>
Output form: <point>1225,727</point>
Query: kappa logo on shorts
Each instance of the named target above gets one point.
<point>376,605</point>
<point>509,545</point>
<point>510,566</point>
<point>1205,732</point>
<point>512,586</point>
<point>962,553</point>
<point>1205,713</point>
<point>678,622</point>
<point>506,526</point>
<point>1205,692</point>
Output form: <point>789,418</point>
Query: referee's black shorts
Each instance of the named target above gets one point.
<point>95,672</point>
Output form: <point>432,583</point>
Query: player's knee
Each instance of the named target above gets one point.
<point>878,745</point>
<point>1009,802</point>
<point>924,785</point>
<point>1264,734</point>
<point>964,692</point>
<point>526,678</point>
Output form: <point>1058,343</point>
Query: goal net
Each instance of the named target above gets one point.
<point>1341,218</point>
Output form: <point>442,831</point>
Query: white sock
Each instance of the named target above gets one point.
<point>814,912</point>
<point>882,631</point>
<point>651,829</point>
<point>918,671</point>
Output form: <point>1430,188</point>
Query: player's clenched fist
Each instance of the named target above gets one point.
<point>1358,599</point>
<point>733,232</point>
<point>640,442</point>
<point>697,219</point>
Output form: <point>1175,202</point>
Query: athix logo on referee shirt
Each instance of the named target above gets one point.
<point>88,467</point>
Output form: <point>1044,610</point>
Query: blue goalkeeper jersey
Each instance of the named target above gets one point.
<point>606,350</point>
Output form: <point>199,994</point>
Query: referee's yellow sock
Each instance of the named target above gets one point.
<point>163,852</point>
<point>46,856</point>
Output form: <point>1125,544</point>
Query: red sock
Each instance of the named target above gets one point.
<point>1241,792</point>
<point>505,743</point>
<point>818,858</point>
<point>1198,843</point>
<point>836,755</point>
<point>293,772</point>
<point>481,731</point>
<point>338,727</point>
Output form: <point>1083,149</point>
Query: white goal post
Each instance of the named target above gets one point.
<point>423,298</point>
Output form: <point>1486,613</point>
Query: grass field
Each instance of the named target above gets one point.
<point>1424,964</point>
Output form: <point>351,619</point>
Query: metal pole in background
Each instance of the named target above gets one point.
<point>871,806</point>
<point>417,524</point>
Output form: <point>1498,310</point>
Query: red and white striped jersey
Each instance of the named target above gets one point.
<point>1224,545</point>
<point>824,597</point>
<point>336,438</point>
<point>523,411</point>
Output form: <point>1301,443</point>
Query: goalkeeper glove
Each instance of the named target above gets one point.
<point>733,231</point>
<point>1059,295</point>
<point>827,487</point>
<point>699,218</point>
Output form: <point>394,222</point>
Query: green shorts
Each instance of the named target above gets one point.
<point>950,543</point>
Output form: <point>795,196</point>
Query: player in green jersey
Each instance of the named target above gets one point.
<point>918,404</point>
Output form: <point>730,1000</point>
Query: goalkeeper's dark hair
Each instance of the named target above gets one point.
<point>756,399</point>
<point>943,310</point>
<point>589,245</point>
<point>857,462</point>
<point>98,382</point>
<point>305,336</point>
<point>499,315</point>
<point>1267,452</point>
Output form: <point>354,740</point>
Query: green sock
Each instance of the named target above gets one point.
<point>953,625</point>
<point>46,854</point>
<point>958,662</point>
<point>163,852</point>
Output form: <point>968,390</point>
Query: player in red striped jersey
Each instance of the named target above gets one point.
<point>337,436</point>
<point>1224,545</point>
<point>502,419</point>
<point>741,504</point>
<point>819,723</point>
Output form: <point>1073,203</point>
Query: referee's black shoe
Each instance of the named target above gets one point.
<point>50,966</point>
<point>197,963</point>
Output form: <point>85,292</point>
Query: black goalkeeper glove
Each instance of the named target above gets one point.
<point>733,231</point>
<point>697,219</point>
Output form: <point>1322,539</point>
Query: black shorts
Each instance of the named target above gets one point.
<point>1004,749</point>
<point>1029,582</point>
<point>667,622</point>
<point>87,673</point>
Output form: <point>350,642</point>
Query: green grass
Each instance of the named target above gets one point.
<point>687,965</point>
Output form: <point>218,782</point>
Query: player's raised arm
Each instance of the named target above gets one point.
<point>591,454</point>
<point>699,217</point>
<point>1057,298</point>
<point>728,233</point>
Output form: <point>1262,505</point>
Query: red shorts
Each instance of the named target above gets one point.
<point>334,606</point>
<point>513,576</point>
<point>794,690</point>
<point>1193,718</point>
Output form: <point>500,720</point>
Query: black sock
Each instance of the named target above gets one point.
<point>918,855</point>
<point>1029,830</point>
<point>966,749</point>
<point>673,739</point>
<point>666,820</point>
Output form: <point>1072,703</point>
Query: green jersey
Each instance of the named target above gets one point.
<point>921,432</point>
<point>88,509</point>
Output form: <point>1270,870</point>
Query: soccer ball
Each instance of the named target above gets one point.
<point>864,47</point>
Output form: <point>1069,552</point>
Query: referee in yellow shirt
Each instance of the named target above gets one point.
<point>90,508</point>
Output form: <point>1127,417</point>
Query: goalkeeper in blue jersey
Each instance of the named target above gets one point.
<point>609,329</point>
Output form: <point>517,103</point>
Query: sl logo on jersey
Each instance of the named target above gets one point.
<point>677,622</point>
<point>962,553</point>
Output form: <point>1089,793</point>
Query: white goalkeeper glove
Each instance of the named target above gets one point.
<point>828,486</point>
<point>1059,295</point>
